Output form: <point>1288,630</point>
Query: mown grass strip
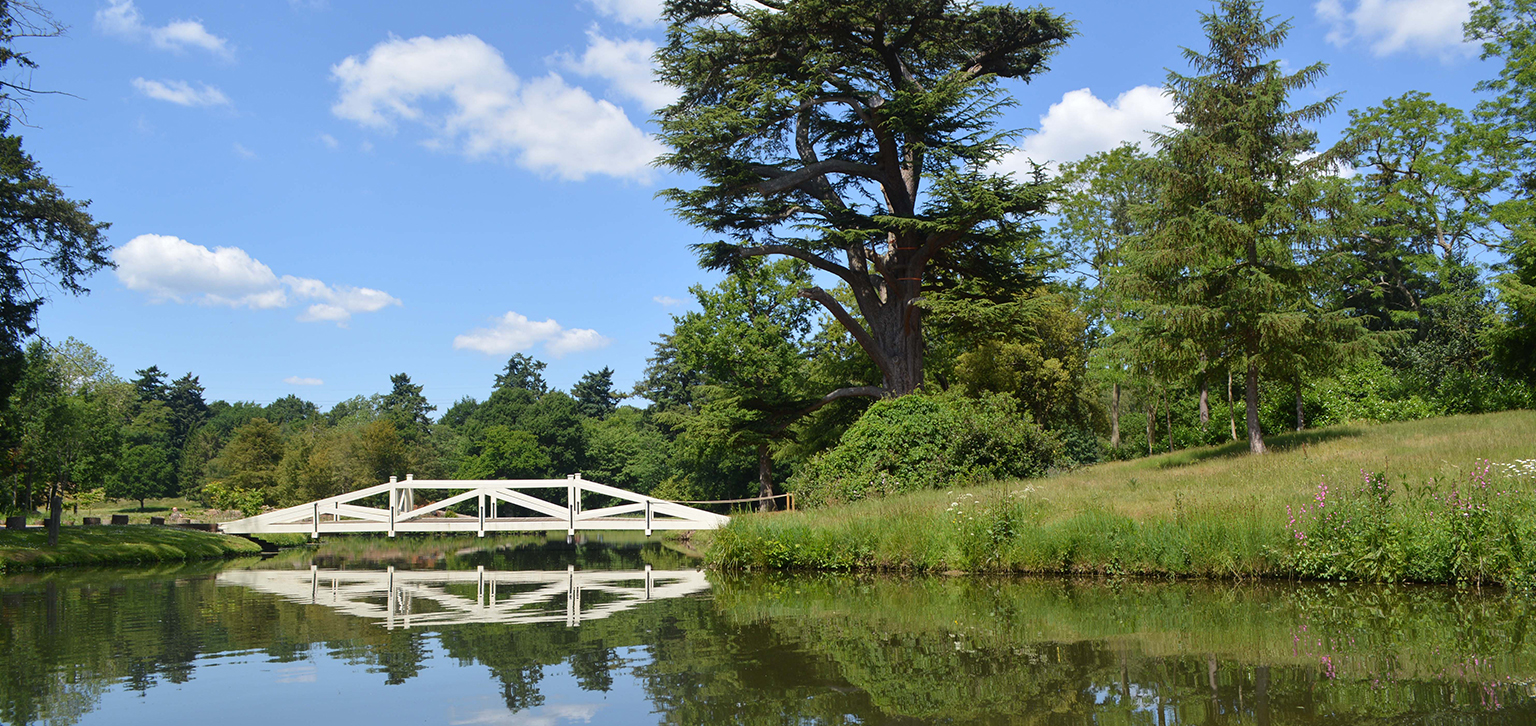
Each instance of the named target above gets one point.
<point>100,545</point>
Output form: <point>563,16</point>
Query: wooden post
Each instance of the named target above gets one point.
<point>570,508</point>
<point>570,594</point>
<point>647,518</point>
<point>314,532</point>
<point>314,583</point>
<point>647,582</point>
<point>394,503</point>
<point>482,515</point>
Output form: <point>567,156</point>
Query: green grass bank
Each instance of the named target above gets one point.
<point>1416,501</point>
<point>107,545</point>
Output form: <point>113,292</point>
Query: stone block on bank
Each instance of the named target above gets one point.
<point>119,519</point>
<point>90,520</point>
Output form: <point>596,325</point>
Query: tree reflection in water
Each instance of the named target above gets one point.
<point>751,650</point>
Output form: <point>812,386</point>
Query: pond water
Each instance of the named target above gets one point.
<point>445,631</point>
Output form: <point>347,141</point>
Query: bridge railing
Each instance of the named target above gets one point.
<point>348,512</point>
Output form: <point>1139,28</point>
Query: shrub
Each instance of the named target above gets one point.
<point>923,441</point>
<point>223,496</point>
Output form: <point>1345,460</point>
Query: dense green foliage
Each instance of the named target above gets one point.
<point>926,442</point>
<point>856,136</point>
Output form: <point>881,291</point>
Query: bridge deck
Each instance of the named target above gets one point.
<point>346,513</point>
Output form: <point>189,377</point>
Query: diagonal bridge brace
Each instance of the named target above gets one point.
<point>347,513</point>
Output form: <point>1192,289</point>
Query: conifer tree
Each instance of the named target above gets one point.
<point>858,137</point>
<point>1224,273</point>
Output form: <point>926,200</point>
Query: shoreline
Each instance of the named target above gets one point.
<point>1447,501</point>
<point>27,550</point>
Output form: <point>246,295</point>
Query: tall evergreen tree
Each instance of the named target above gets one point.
<point>405,405</point>
<point>1223,275</point>
<point>150,385</point>
<point>858,136</point>
<point>523,372</point>
<point>594,394</point>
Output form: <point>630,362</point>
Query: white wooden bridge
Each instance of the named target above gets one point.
<point>504,505</point>
<point>414,598</point>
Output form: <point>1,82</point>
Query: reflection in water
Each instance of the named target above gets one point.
<point>438,597</point>
<point>495,646</point>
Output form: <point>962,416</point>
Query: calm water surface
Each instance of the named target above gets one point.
<point>444,631</point>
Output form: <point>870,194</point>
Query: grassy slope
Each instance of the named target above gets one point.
<point>1209,511</point>
<point>111,545</point>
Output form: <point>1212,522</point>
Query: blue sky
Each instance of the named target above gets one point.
<point>308,196</point>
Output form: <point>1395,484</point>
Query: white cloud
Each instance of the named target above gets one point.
<point>297,381</point>
<point>171,268</point>
<point>514,332</point>
<point>630,12</point>
<point>243,152</point>
<point>667,301</point>
<point>626,65</point>
<point>564,713</point>
<point>1340,169</point>
<point>1426,27</point>
<point>575,341</point>
<point>329,141</point>
<point>545,124</point>
<point>121,18</point>
<point>1082,124</point>
<point>181,93</point>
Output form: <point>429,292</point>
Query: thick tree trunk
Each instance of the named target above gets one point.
<point>1251,400</point>
<point>891,332</point>
<point>1114,417</point>
<point>764,478</point>
<point>902,338</point>
<point>1301,414</point>
<point>1231,407</point>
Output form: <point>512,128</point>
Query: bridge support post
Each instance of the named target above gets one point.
<point>315,533</point>
<point>394,505</point>
<point>482,516</point>
<point>571,503</point>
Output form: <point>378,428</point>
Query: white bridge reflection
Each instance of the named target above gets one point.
<point>413,598</point>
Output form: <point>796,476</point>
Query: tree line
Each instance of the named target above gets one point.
<point>848,162</point>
